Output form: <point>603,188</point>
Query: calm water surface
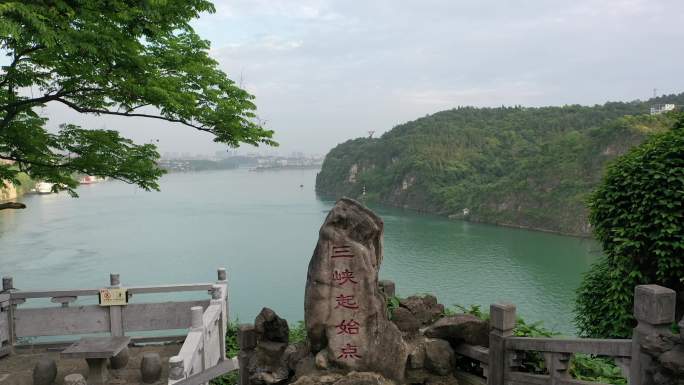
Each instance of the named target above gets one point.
<point>263,227</point>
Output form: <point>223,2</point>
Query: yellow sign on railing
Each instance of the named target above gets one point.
<point>113,297</point>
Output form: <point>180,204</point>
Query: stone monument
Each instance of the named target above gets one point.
<point>345,311</point>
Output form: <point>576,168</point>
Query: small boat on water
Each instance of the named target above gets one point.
<point>89,179</point>
<point>44,188</point>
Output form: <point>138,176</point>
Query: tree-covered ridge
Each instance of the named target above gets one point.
<point>527,167</point>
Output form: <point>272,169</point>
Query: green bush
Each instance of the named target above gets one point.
<point>232,349</point>
<point>392,304</point>
<point>298,333</point>
<point>589,368</point>
<point>638,216</point>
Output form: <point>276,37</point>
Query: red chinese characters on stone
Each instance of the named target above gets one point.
<point>348,327</point>
<point>342,252</point>
<point>342,277</point>
<point>349,351</point>
<point>346,301</point>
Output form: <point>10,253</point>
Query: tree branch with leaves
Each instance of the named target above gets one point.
<point>116,57</point>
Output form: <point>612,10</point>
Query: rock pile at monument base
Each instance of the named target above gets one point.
<point>352,336</point>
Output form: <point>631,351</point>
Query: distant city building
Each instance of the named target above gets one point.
<point>229,159</point>
<point>661,108</point>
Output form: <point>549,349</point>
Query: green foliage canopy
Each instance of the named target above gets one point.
<point>638,216</point>
<point>113,57</point>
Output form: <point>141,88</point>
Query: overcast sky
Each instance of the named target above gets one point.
<point>325,71</point>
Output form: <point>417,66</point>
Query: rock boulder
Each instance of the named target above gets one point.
<point>344,308</point>
<point>439,357</point>
<point>352,378</point>
<point>425,308</point>
<point>268,364</point>
<point>270,327</point>
<point>405,320</point>
<point>460,328</point>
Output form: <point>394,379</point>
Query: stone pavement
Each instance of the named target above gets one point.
<point>17,369</point>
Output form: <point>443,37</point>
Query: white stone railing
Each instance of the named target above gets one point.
<point>5,343</point>
<point>203,354</point>
<point>18,324</point>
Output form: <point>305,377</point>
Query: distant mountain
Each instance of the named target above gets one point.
<point>514,166</point>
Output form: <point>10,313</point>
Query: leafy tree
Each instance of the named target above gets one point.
<point>638,216</point>
<point>109,57</point>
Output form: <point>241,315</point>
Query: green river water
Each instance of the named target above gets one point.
<point>262,226</point>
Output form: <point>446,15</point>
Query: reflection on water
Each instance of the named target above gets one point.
<point>263,228</point>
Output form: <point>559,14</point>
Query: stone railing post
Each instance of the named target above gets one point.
<point>247,340</point>
<point>10,309</point>
<point>5,332</point>
<point>222,281</point>
<point>115,312</point>
<point>654,309</point>
<point>222,275</point>
<point>176,369</point>
<point>197,325</point>
<point>502,322</point>
<point>387,288</point>
<point>7,284</point>
<point>217,299</point>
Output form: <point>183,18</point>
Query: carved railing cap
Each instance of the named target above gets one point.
<point>502,316</point>
<point>654,304</point>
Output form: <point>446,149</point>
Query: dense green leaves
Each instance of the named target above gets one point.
<point>113,57</point>
<point>596,369</point>
<point>530,167</point>
<point>638,216</point>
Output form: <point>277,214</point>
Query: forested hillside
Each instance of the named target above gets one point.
<point>515,166</point>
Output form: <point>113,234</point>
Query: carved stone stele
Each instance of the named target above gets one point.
<point>345,310</point>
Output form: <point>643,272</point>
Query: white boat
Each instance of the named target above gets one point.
<point>44,188</point>
<point>89,179</point>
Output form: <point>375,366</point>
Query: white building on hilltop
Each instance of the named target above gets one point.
<point>660,108</point>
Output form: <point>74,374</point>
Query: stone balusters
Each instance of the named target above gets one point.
<point>64,301</point>
<point>558,364</point>
<point>8,307</point>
